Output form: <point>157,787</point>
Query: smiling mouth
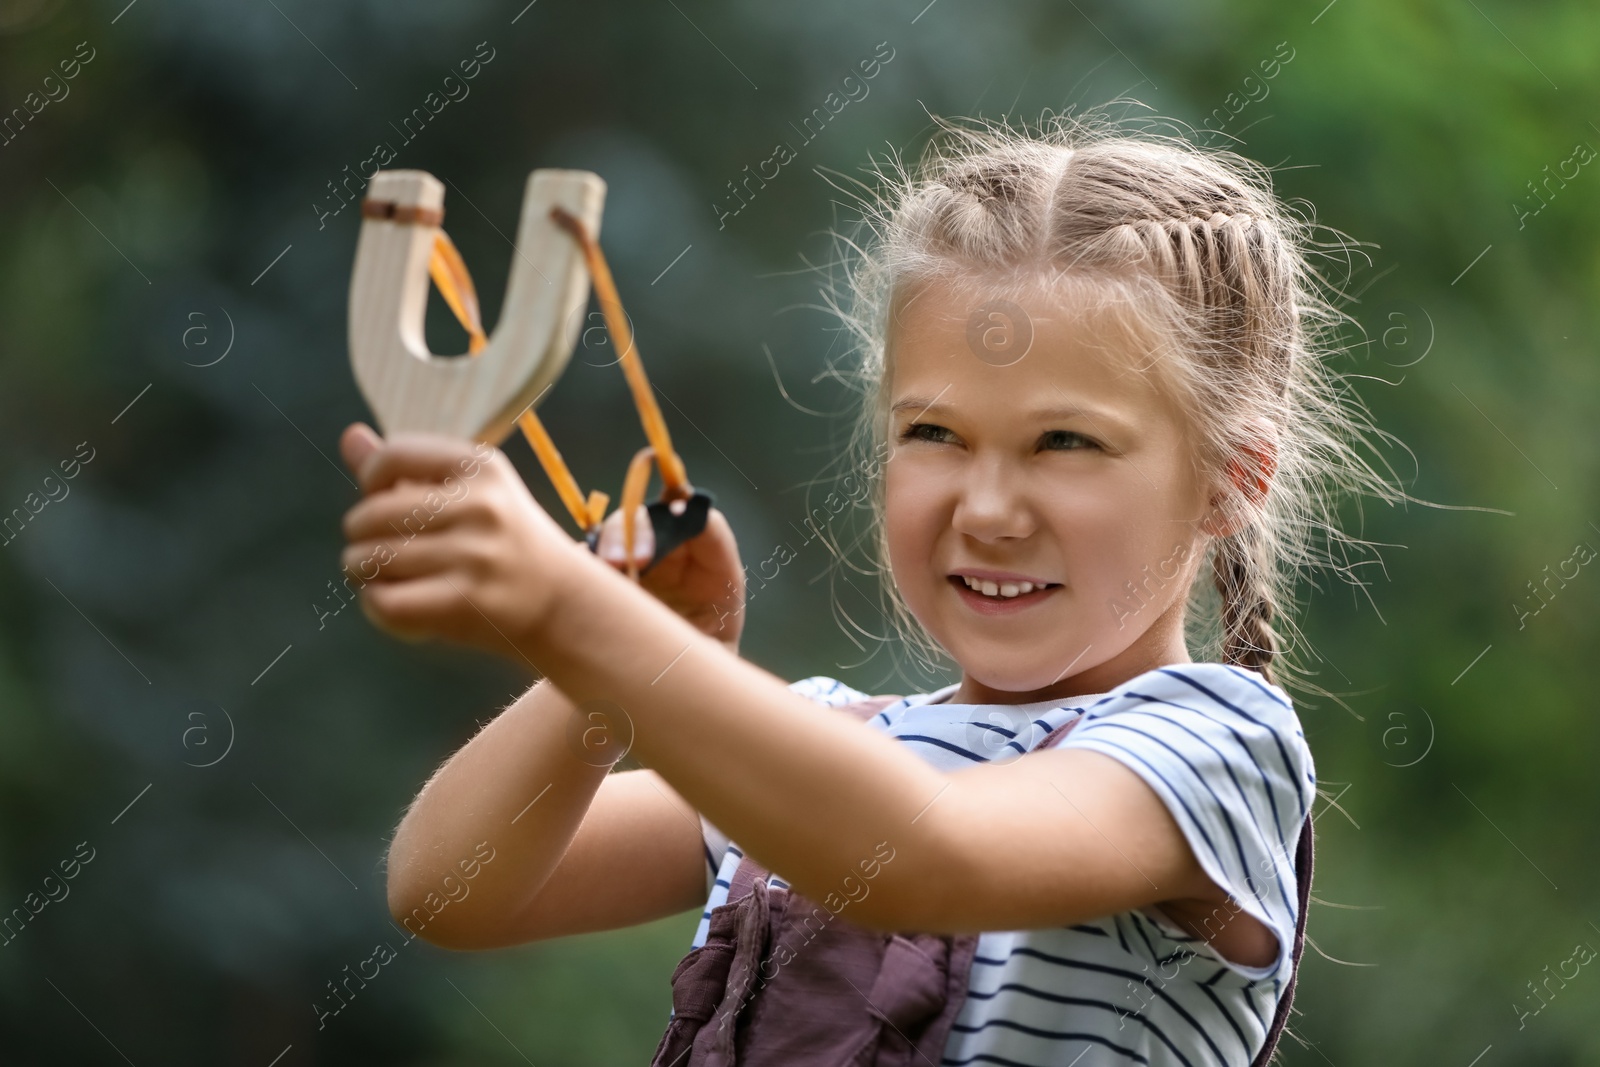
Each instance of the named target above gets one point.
<point>993,590</point>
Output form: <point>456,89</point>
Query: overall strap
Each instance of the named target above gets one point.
<point>1303,856</point>
<point>1058,733</point>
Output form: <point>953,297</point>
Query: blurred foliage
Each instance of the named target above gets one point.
<point>173,187</point>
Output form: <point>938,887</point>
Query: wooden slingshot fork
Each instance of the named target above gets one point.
<point>497,385</point>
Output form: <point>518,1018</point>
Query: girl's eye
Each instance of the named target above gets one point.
<point>924,431</point>
<point>1067,440</point>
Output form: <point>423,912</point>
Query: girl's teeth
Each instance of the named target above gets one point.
<point>1003,589</point>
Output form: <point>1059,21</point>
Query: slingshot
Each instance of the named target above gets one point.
<point>500,381</point>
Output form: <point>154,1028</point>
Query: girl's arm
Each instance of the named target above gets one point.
<point>572,848</point>
<point>813,795</point>
<point>523,835</point>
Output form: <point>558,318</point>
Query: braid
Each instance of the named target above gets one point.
<point>1214,255</point>
<point>1248,639</point>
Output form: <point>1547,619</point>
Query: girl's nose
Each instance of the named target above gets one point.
<point>992,504</point>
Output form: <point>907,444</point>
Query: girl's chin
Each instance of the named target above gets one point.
<point>1007,668</point>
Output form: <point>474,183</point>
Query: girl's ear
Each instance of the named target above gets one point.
<point>1250,477</point>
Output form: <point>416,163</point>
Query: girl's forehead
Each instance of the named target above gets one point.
<point>1020,343</point>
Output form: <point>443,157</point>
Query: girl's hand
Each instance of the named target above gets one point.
<point>702,579</point>
<point>448,542</point>
<point>467,566</point>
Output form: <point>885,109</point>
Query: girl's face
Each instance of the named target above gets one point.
<point>1053,462</point>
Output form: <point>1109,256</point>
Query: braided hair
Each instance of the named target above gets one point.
<point>1209,261</point>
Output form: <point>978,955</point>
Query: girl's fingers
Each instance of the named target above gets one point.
<point>397,559</point>
<point>433,608</point>
<point>413,610</point>
<point>423,457</point>
<point>716,545</point>
<point>610,547</point>
<point>406,511</point>
<point>357,443</point>
<point>715,550</point>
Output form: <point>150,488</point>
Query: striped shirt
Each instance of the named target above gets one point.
<point>1223,749</point>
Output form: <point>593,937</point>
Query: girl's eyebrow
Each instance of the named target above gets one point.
<point>922,405</point>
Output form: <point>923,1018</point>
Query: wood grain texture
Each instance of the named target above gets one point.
<point>478,397</point>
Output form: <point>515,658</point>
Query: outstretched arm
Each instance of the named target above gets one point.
<point>523,834</point>
<point>808,792</point>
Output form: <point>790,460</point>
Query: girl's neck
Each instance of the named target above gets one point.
<point>1103,677</point>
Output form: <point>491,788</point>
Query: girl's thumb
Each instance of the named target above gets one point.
<point>357,443</point>
<point>610,547</point>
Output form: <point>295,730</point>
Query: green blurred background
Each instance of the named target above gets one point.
<point>170,706</point>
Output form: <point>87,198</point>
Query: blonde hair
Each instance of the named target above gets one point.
<point>1196,245</point>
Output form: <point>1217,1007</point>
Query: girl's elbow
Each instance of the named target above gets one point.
<point>423,913</point>
<point>401,889</point>
<point>462,919</point>
<point>411,913</point>
<point>440,928</point>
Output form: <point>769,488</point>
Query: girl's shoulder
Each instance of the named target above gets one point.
<point>1212,716</point>
<point>1220,686</point>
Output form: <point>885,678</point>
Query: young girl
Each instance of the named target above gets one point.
<point>1094,360</point>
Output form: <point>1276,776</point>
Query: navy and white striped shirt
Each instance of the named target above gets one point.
<point>1224,751</point>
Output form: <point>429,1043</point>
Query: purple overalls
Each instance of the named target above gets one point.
<point>782,982</point>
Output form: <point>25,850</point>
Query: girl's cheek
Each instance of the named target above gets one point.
<point>900,519</point>
<point>911,537</point>
<point>903,550</point>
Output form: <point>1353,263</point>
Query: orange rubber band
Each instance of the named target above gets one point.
<point>674,479</point>
<point>450,275</point>
<point>583,512</point>
<point>633,487</point>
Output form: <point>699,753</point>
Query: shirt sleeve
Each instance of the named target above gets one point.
<point>715,843</point>
<point>827,691</point>
<point>1224,750</point>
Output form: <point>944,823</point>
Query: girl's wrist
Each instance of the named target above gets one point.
<point>569,587</point>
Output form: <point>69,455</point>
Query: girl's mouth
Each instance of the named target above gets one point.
<point>1000,598</point>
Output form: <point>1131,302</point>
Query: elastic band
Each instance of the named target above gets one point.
<point>455,283</point>
<point>450,275</point>
<point>674,479</point>
<point>449,272</point>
